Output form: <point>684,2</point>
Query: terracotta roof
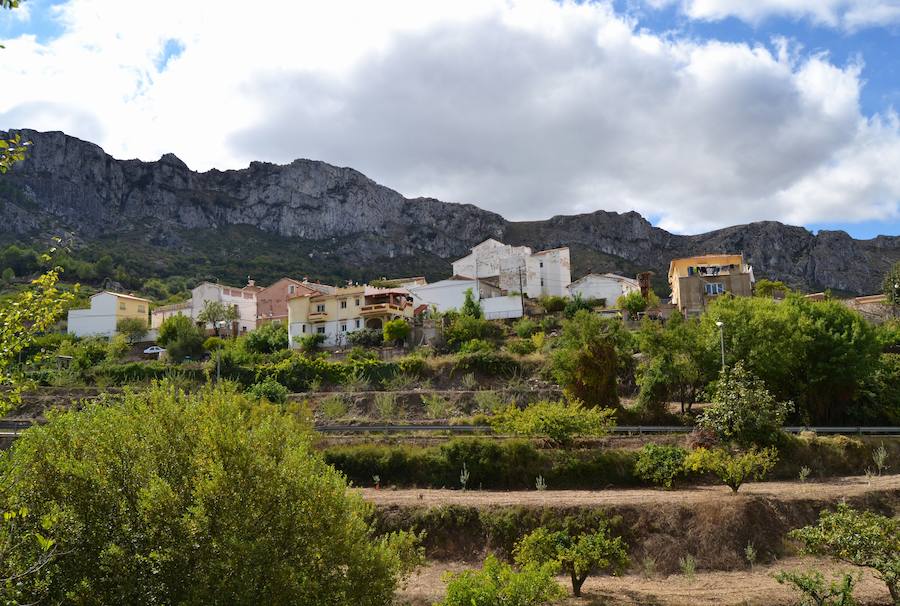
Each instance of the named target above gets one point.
<point>123,296</point>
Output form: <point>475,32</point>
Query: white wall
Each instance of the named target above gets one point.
<point>334,335</point>
<point>445,295</point>
<point>602,287</point>
<point>227,295</point>
<point>549,272</point>
<point>99,320</point>
<point>501,308</point>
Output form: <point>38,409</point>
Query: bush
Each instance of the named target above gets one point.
<point>268,338</point>
<point>525,327</point>
<point>476,345</point>
<point>811,585</point>
<point>366,337</point>
<point>181,338</point>
<point>577,303</point>
<point>660,464</point>
<point>214,343</point>
<point>733,469</point>
<point>134,329</point>
<point>412,365</point>
<point>466,328</point>
<point>577,556</point>
<point>269,389</point>
<point>488,363</point>
<point>470,307</point>
<point>860,538</point>
<point>310,343</point>
<point>520,347</point>
<point>743,410</point>
<point>396,331</point>
<point>116,348</point>
<point>498,583</point>
<point>560,422</point>
<point>634,302</point>
<point>553,304</point>
<point>216,507</point>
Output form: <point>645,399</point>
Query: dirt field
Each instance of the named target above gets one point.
<point>833,489</point>
<point>756,587</point>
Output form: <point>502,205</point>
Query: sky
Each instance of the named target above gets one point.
<point>698,114</point>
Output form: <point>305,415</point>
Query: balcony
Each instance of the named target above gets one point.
<point>380,309</point>
<point>318,315</point>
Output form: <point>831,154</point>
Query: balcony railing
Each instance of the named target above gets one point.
<point>380,308</point>
<point>318,315</point>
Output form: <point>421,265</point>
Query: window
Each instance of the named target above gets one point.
<point>303,328</point>
<point>357,322</point>
<point>343,303</point>
<point>343,328</point>
<point>357,301</point>
<point>320,307</point>
<point>140,309</point>
<point>291,289</point>
<point>122,305</point>
<point>320,330</point>
<point>542,264</point>
<point>714,288</point>
<point>542,281</point>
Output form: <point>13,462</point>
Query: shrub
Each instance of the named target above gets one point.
<point>134,329</point>
<point>743,410</point>
<point>366,337</point>
<point>269,389</point>
<point>268,338</point>
<point>860,538</point>
<point>436,406</point>
<point>181,338</point>
<point>470,307</point>
<point>577,303</point>
<point>310,343</point>
<point>553,304</point>
<point>733,469</point>
<point>634,302</point>
<point>811,585</point>
<point>560,422</point>
<point>386,405</point>
<point>521,347</point>
<point>660,464</point>
<point>116,348</point>
<point>476,345</point>
<point>396,331</point>
<point>577,556</point>
<point>298,372</point>
<point>466,328</point>
<point>230,499</point>
<point>214,343</point>
<point>525,327</point>
<point>333,407</point>
<point>498,583</point>
<point>490,363</point>
<point>488,401</point>
<point>412,365</point>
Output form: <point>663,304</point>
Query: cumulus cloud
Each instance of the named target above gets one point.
<point>526,107</point>
<point>849,15</point>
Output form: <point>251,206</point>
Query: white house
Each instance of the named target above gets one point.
<point>516,268</point>
<point>106,309</point>
<point>603,286</point>
<point>451,293</point>
<point>243,299</point>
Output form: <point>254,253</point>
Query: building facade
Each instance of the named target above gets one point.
<point>242,299</point>
<point>106,309</point>
<point>272,301</point>
<point>517,268</point>
<point>451,293</point>
<point>695,281</point>
<point>608,287</point>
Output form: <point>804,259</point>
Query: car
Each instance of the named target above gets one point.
<point>154,349</point>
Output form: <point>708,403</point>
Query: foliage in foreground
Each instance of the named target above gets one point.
<point>861,538</point>
<point>733,469</point>
<point>814,592</point>
<point>204,498</point>
<point>660,464</point>
<point>578,556</point>
<point>499,583</point>
<point>558,421</point>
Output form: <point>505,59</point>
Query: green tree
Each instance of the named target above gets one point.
<point>215,312</point>
<point>268,338</point>
<point>861,538</point>
<point>732,468</point>
<point>743,411</point>
<point>396,331</point>
<point>471,308</point>
<point>499,583</point>
<point>634,302</point>
<point>769,288</point>
<point>134,329</point>
<point>559,422</point>
<point>578,556</point>
<point>209,497</point>
<point>181,338</point>
<point>12,150</point>
<point>890,286</point>
<point>811,585</point>
<point>23,317</point>
<point>660,464</point>
<point>591,353</point>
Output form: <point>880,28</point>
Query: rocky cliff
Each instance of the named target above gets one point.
<point>72,187</point>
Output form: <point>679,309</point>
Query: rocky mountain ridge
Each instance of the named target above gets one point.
<point>72,187</point>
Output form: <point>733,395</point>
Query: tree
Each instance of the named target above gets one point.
<point>890,286</point>
<point>181,338</point>
<point>861,538</point>
<point>811,585</point>
<point>471,308</point>
<point>268,338</point>
<point>769,288</point>
<point>660,464</point>
<point>578,556</point>
<point>22,318</point>
<point>732,468</point>
<point>591,352</point>
<point>396,330</point>
<point>559,422</point>
<point>134,329</point>
<point>214,312</point>
<point>499,583</point>
<point>634,302</point>
<point>743,410</point>
<point>208,497</point>
<point>12,150</point>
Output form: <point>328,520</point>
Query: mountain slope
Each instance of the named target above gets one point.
<point>311,218</point>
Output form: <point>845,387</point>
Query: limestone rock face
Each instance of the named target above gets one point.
<point>71,186</point>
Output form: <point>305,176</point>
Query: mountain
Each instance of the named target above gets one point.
<point>159,219</point>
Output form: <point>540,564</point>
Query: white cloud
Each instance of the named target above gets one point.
<point>526,107</point>
<point>850,15</point>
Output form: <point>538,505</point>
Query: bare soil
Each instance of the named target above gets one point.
<point>755,587</point>
<point>833,489</point>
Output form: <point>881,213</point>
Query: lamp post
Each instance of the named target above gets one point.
<point>219,324</point>
<point>721,324</point>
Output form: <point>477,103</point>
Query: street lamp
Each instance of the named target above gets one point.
<point>219,324</point>
<point>720,324</point>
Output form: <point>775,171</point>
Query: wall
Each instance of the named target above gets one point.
<point>271,302</point>
<point>99,319</point>
<point>446,294</point>
<point>692,292</point>
<point>554,272</point>
<point>602,287</point>
<point>227,295</point>
<point>501,308</point>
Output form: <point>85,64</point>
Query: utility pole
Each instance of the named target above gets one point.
<point>521,294</point>
<point>721,324</point>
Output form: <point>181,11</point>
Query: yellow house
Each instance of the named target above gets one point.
<point>697,280</point>
<point>346,310</point>
<point>106,309</point>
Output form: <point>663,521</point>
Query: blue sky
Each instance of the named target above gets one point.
<point>696,113</point>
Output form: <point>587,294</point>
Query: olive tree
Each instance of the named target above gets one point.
<point>209,497</point>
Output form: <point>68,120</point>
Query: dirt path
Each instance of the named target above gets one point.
<point>835,488</point>
<point>756,587</point>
